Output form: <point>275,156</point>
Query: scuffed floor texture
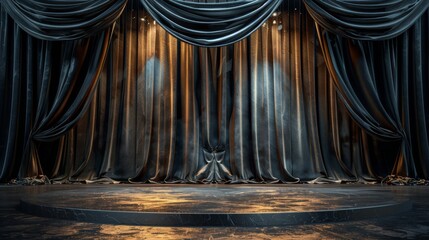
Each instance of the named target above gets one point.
<point>413,224</point>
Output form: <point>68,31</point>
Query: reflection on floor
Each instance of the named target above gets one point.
<point>214,205</point>
<point>214,199</point>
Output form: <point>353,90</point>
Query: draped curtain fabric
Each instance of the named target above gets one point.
<point>45,88</point>
<point>264,109</point>
<point>378,79</point>
<point>211,23</point>
<point>366,19</point>
<point>63,19</point>
<point>260,110</point>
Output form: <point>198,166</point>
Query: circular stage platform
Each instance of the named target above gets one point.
<point>214,205</point>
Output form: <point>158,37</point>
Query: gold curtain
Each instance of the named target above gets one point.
<point>260,110</point>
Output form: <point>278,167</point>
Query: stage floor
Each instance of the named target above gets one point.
<point>214,211</point>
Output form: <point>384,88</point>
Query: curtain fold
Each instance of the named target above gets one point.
<point>144,106</point>
<point>367,19</point>
<point>376,82</point>
<point>46,87</point>
<point>213,23</point>
<point>166,111</point>
<point>63,19</point>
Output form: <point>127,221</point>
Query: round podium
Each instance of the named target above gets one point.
<point>214,205</point>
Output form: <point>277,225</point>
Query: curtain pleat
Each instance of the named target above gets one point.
<point>63,19</point>
<point>48,86</point>
<point>376,80</point>
<point>412,51</point>
<point>368,19</point>
<point>211,23</point>
<point>254,111</point>
<point>188,118</point>
<point>262,110</point>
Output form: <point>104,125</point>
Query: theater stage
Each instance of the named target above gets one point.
<point>308,211</point>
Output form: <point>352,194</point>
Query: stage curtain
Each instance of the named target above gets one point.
<point>261,110</point>
<point>367,19</point>
<point>211,23</point>
<point>45,87</point>
<point>63,19</point>
<point>378,79</point>
<point>264,109</point>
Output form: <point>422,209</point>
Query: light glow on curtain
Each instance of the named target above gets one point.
<point>264,109</point>
<point>171,112</point>
<point>260,110</point>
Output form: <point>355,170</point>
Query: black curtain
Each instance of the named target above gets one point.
<point>261,110</point>
<point>45,88</point>
<point>264,109</point>
<point>367,19</point>
<point>382,82</point>
<point>211,23</point>
<point>63,19</point>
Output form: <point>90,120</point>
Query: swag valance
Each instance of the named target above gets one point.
<point>63,19</point>
<point>366,19</point>
<point>211,24</point>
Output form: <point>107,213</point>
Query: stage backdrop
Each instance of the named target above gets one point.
<point>144,105</point>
